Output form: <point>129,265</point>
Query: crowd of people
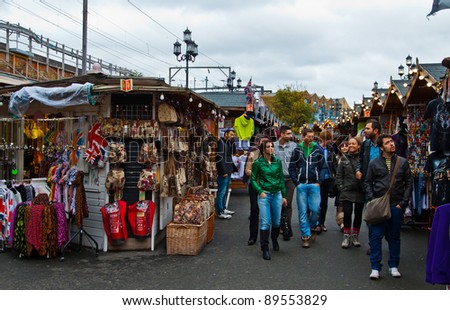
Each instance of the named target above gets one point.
<point>355,171</point>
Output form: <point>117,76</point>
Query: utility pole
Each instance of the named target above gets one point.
<point>84,39</point>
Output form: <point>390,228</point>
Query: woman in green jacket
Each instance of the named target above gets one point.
<point>268,180</point>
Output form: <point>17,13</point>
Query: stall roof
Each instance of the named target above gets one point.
<point>104,84</point>
<point>395,96</point>
<point>227,100</point>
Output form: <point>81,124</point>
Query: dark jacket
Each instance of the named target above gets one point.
<point>268,177</point>
<point>224,157</point>
<point>309,169</point>
<point>378,177</point>
<point>364,157</point>
<point>331,160</point>
<point>349,187</point>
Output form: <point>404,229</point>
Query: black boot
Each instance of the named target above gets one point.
<point>274,235</point>
<point>264,239</point>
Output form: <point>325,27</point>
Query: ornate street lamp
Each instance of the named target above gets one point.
<point>191,52</point>
<point>411,68</point>
<point>230,80</point>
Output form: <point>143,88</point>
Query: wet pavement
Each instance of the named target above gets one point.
<point>227,263</point>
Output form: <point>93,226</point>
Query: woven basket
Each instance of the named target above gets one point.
<point>210,230</point>
<point>185,239</point>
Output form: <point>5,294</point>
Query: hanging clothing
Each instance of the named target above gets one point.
<point>438,255</point>
<point>244,127</point>
<point>438,112</point>
<point>81,207</point>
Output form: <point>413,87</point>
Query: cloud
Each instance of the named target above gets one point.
<point>334,48</point>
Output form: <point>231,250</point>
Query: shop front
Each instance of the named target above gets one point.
<point>102,149</point>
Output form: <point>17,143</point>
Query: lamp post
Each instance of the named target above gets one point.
<point>189,55</point>
<point>230,81</point>
<point>375,94</point>
<point>412,68</point>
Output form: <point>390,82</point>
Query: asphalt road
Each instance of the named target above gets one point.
<point>227,263</point>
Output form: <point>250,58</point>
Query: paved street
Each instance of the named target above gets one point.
<point>227,263</point>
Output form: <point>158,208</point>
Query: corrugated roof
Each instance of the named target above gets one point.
<point>399,84</point>
<point>226,99</point>
<point>437,70</point>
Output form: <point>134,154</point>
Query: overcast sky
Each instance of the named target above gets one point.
<point>335,48</point>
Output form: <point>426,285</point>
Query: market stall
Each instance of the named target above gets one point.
<point>121,135</point>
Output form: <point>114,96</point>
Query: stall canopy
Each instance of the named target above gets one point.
<point>58,97</point>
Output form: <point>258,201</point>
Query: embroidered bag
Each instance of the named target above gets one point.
<point>167,114</point>
<point>147,180</point>
<point>115,180</point>
<point>117,153</point>
<point>148,154</point>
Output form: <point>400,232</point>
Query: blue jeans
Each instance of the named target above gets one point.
<point>391,230</point>
<point>308,198</point>
<point>223,183</point>
<point>270,210</point>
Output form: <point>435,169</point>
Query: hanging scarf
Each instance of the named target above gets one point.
<point>63,229</point>
<point>20,243</point>
<point>33,231</point>
<point>49,229</point>
<point>81,208</point>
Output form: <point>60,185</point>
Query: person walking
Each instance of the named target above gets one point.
<point>283,150</point>
<point>351,194</point>
<point>325,140</point>
<point>343,149</point>
<point>369,151</point>
<point>376,184</point>
<point>369,148</point>
<point>307,170</point>
<point>253,155</point>
<point>267,172</point>
<point>225,167</point>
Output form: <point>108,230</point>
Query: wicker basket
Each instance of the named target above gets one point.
<point>185,239</point>
<point>210,230</point>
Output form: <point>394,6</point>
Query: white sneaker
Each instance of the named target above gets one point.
<point>226,211</point>
<point>224,216</point>
<point>394,272</point>
<point>346,242</point>
<point>374,275</point>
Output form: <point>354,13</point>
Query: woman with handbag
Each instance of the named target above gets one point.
<point>351,194</point>
<point>387,174</point>
<point>267,172</point>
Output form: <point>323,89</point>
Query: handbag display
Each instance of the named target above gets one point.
<point>117,153</point>
<point>171,186</point>
<point>378,209</point>
<point>148,154</point>
<point>148,180</point>
<point>115,181</point>
<point>167,114</point>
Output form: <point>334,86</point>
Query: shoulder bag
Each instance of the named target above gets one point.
<point>378,210</point>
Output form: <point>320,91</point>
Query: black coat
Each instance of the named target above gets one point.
<point>349,187</point>
<point>376,183</point>
<point>224,157</point>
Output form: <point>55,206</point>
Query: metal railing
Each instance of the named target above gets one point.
<point>32,56</point>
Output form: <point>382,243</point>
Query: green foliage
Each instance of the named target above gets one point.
<point>292,107</point>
